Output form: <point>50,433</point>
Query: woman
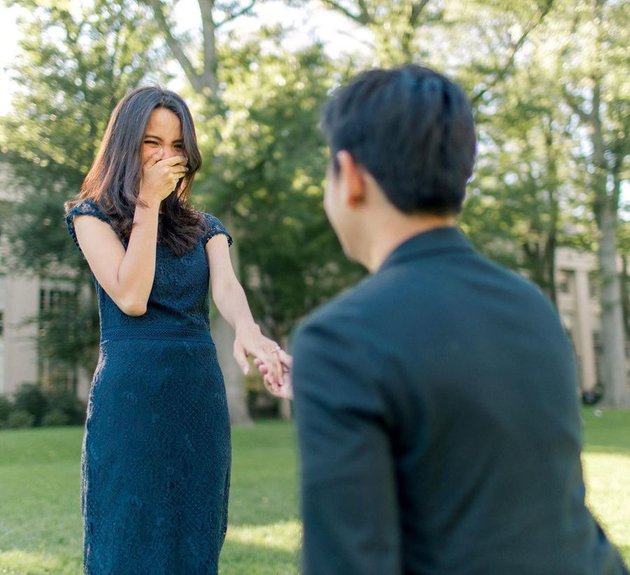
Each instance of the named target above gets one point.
<point>156,455</point>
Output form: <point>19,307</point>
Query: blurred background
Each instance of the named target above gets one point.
<point>549,83</point>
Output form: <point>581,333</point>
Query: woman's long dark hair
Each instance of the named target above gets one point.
<point>113,181</point>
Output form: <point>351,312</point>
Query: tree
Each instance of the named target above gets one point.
<point>442,33</point>
<point>266,175</point>
<point>272,166</point>
<point>74,65</point>
<point>591,75</point>
<point>595,84</point>
<point>520,201</point>
<point>394,26</point>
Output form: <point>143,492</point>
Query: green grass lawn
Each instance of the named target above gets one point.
<point>40,523</point>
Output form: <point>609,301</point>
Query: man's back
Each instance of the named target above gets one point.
<point>439,426</point>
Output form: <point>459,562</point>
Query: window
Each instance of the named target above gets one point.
<point>565,281</point>
<point>57,304</point>
<point>594,284</point>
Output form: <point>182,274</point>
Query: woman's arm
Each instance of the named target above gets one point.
<point>229,297</point>
<point>127,275</point>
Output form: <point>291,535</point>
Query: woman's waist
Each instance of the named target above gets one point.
<point>199,333</point>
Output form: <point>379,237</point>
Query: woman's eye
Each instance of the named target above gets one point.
<point>179,146</point>
<point>151,143</point>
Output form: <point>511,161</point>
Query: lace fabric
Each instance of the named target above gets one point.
<point>156,456</point>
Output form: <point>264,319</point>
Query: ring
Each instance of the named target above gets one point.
<point>276,349</point>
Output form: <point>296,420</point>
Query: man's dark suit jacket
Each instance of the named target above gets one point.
<point>438,425</point>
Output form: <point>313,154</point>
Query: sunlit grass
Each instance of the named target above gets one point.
<point>18,562</point>
<point>264,531</point>
<point>284,535</point>
<point>607,472</point>
<point>40,522</point>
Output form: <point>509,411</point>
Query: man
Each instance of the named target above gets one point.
<point>436,401</point>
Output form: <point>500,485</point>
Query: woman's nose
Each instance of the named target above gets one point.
<point>169,152</point>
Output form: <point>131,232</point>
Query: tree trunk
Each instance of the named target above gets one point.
<point>223,337</point>
<point>625,294</point>
<point>614,370</point>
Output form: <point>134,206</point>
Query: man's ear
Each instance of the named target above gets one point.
<point>354,178</point>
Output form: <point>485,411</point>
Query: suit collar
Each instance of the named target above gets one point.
<point>446,240</point>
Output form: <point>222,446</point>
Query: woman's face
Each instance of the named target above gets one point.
<point>162,136</point>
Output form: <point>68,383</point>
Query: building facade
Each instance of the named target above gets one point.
<point>23,300</point>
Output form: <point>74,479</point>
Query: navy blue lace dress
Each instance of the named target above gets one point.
<point>156,453</point>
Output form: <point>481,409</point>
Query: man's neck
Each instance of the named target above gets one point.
<point>390,234</point>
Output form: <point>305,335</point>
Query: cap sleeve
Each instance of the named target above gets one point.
<point>83,208</point>
<point>214,227</point>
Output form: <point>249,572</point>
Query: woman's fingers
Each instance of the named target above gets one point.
<point>273,363</point>
<point>160,176</point>
<point>286,360</point>
<point>284,390</point>
<point>153,159</point>
<point>173,160</point>
<point>277,374</point>
<point>261,366</point>
<point>276,366</point>
<point>240,355</point>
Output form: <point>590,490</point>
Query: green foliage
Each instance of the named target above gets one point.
<point>29,398</point>
<point>519,202</point>
<point>55,418</point>
<point>64,408</point>
<point>594,83</point>
<point>68,332</point>
<point>77,60</point>
<point>5,410</point>
<point>35,227</point>
<point>20,418</point>
<point>34,406</point>
<point>268,174</point>
<point>396,27</point>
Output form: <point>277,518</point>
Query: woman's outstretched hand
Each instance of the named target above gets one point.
<point>285,390</point>
<point>271,360</point>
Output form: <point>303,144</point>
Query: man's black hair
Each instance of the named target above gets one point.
<point>412,129</point>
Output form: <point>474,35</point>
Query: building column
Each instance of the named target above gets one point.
<point>20,343</point>
<point>585,328</point>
